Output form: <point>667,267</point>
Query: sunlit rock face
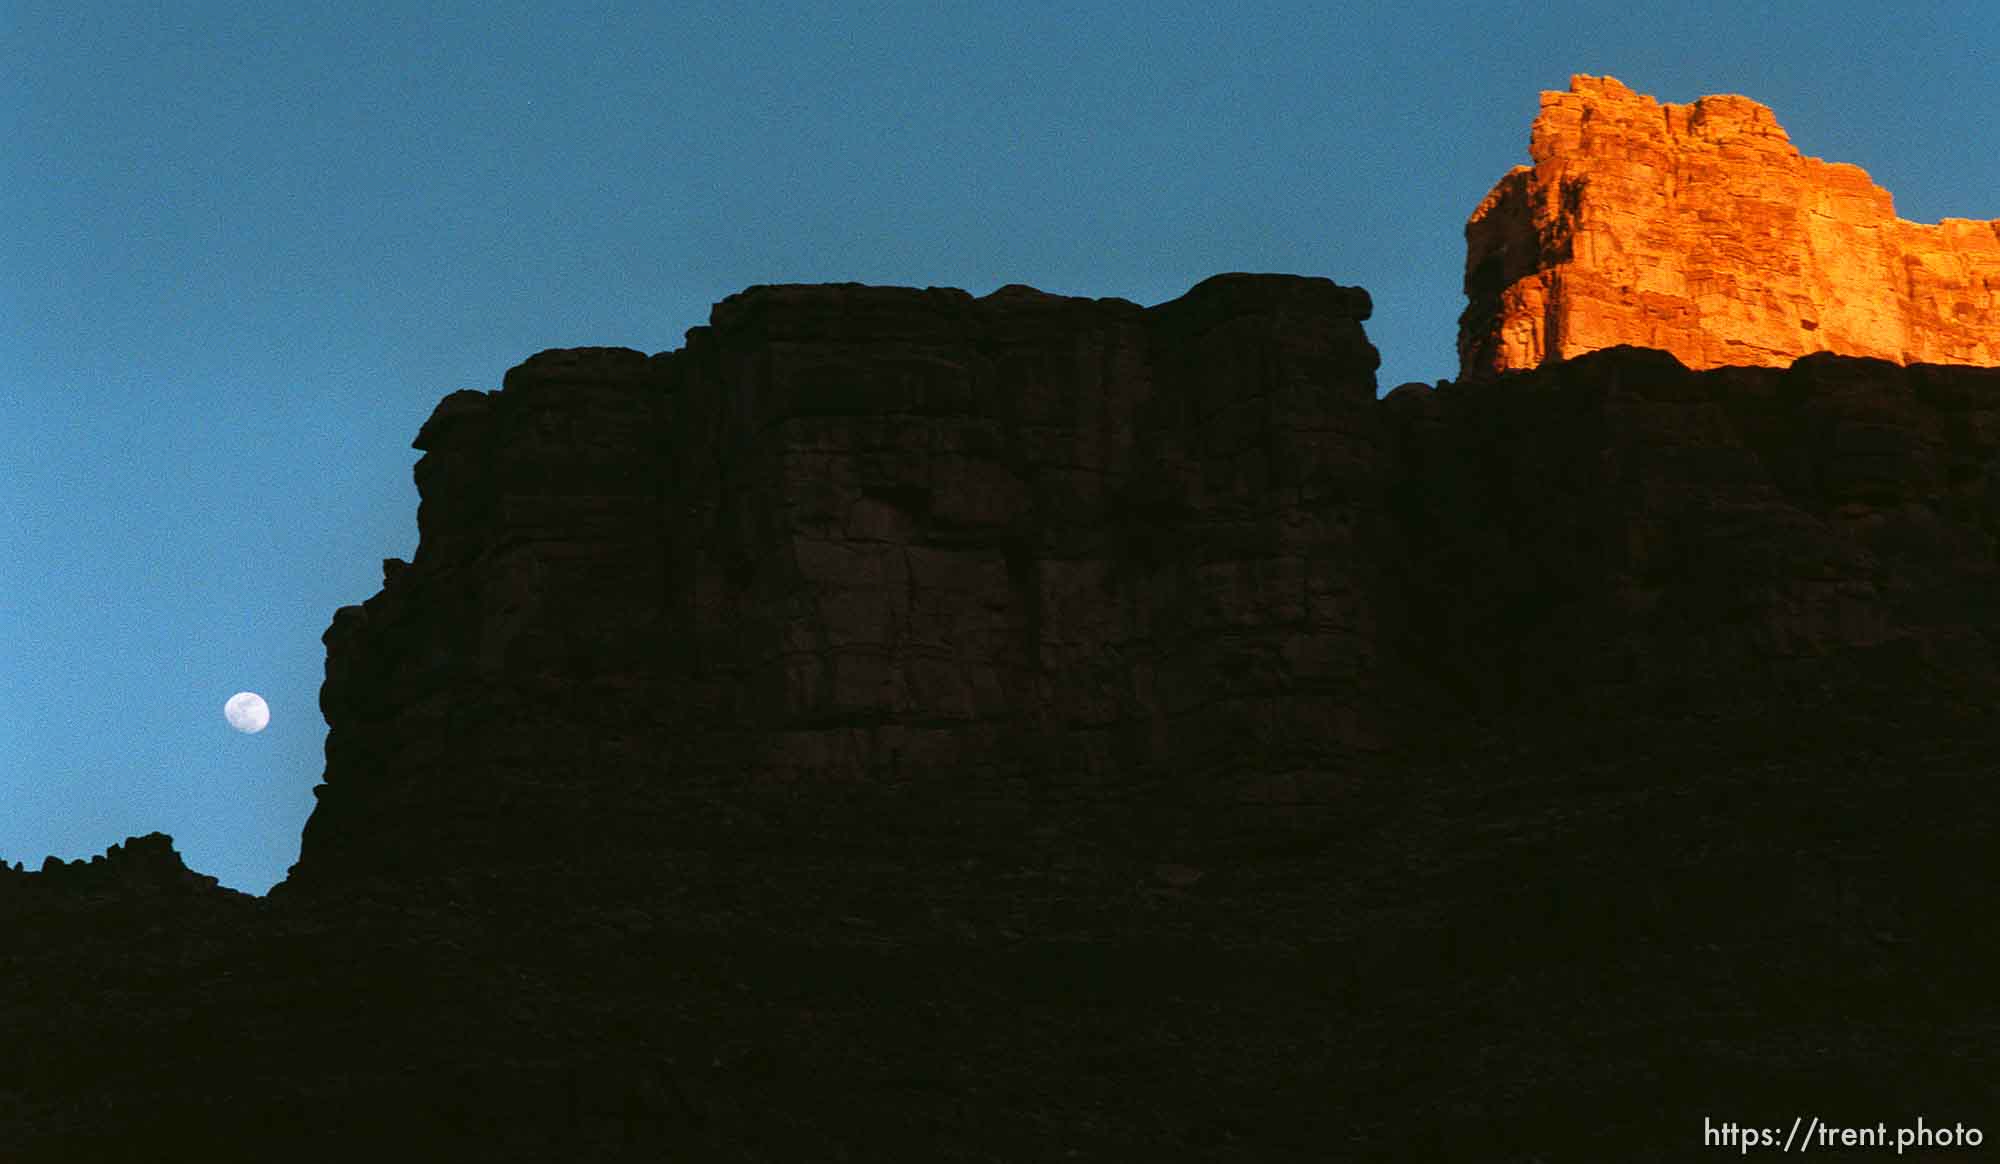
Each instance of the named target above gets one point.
<point>1701,230</point>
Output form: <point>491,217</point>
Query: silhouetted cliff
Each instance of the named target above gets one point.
<point>899,725</point>
<point>985,561</point>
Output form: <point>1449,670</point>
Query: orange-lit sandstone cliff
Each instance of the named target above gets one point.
<point>1701,230</point>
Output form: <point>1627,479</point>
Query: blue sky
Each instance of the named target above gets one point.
<point>245,248</point>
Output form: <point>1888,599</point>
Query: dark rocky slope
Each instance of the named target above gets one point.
<point>900,725</point>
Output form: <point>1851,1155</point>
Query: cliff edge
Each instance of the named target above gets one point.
<point>1701,230</point>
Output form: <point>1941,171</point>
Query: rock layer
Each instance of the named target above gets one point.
<point>1701,230</point>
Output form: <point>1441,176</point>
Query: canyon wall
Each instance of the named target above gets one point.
<point>1008,557</point>
<point>910,564</point>
<point>901,725</point>
<point>905,725</point>
<point>1701,230</point>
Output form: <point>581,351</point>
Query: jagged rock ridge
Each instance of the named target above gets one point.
<point>1073,727</point>
<point>145,865</point>
<point>1701,230</point>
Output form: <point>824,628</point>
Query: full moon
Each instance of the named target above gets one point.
<point>246,711</point>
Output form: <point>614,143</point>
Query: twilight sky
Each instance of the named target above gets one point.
<point>244,248</point>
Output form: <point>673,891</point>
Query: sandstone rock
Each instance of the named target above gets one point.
<point>1701,230</point>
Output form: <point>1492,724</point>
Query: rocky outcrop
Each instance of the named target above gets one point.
<point>900,725</point>
<point>145,866</point>
<point>893,621</point>
<point>1007,558</point>
<point>923,566</point>
<point>1701,230</point>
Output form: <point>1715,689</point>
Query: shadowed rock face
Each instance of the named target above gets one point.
<point>1004,557</point>
<point>899,725</point>
<point>1618,531</point>
<point>920,563</point>
<point>1701,230</point>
